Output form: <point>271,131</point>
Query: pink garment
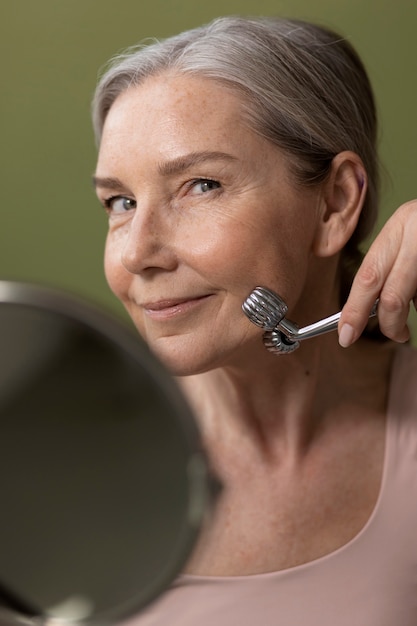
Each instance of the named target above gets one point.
<point>370,581</point>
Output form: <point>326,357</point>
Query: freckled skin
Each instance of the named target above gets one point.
<point>182,242</point>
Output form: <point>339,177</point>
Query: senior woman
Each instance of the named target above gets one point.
<point>240,154</point>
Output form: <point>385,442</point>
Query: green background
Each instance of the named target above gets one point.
<point>52,228</point>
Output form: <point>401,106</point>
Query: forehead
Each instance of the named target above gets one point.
<point>176,106</point>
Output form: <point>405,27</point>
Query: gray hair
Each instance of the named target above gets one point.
<point>302,86</point>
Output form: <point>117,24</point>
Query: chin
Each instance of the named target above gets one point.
<point>184,358</point>
<point>180,366</point>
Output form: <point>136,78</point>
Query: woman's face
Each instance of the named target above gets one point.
<point>201,211</point>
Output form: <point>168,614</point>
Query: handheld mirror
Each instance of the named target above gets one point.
<point>103,481</point>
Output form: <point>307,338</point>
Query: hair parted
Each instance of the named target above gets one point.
<point>303,87</point>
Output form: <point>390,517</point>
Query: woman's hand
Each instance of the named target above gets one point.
<point>388,271</point>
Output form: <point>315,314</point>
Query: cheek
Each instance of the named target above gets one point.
<point>274,252</point>
<point>244,252</point>
<point>221,253</point>
<point>117,277</point>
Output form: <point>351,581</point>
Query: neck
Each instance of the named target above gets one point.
<point>277,405</point>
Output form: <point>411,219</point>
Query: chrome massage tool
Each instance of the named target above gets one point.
<point>267,310</point>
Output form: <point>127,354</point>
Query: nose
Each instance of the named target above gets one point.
<point>147,243</point>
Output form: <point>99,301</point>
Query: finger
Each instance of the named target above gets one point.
<point>397,293</point>
<point>389,271</point>
<point>366,288</point>
<point>400,287</point>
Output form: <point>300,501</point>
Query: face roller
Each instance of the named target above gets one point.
<point>267,310</point>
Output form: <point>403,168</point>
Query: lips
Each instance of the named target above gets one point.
<point>172,307</point>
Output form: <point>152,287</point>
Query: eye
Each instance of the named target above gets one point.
<point>203,185</point>
<point>119,204</point>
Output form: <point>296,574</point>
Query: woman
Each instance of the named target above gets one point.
<point>243,154</point>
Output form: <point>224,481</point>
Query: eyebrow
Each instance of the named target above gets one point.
<point>107,182</point>
<point>182,163</point>
<point>170,168</point>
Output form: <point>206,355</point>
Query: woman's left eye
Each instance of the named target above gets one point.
<point>203,185</point>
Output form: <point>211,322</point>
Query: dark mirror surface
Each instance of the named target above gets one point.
<point>103,483</point>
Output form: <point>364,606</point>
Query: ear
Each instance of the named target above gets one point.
<point>341,203</point>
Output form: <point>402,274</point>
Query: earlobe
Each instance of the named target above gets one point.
<point>341,203</point>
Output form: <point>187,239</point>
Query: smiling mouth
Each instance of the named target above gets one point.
<point>165,309</point>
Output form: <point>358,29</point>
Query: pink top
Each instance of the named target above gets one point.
<point>370,581</point>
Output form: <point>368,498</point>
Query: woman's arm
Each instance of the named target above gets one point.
<point>388,271</point>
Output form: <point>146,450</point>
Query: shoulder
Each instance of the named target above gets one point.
<point>401,450</point>
<point>403,391</point>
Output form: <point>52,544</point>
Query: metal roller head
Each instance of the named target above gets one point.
<point>275,341</point>
<point>264,308</point>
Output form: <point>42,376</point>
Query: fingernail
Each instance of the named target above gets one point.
<point>346,335</point>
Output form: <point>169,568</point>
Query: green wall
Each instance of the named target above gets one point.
<point>52,228</point>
